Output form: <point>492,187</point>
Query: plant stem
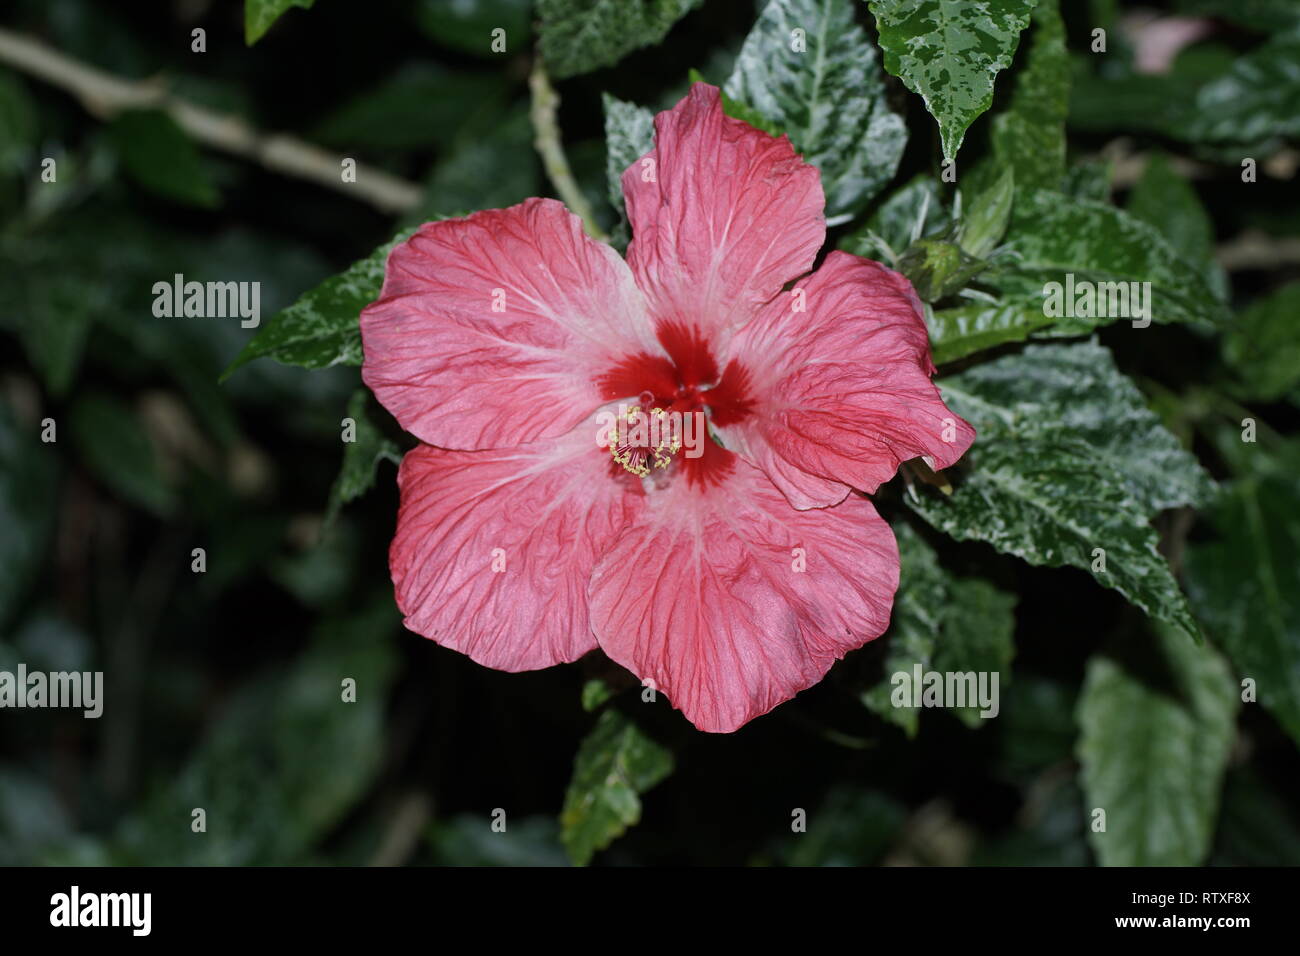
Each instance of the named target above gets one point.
<point>551,149</point>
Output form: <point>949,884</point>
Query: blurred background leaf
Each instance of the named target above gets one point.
<point>260,14</point>
<point>158,155</point>
<point>1153,756</point>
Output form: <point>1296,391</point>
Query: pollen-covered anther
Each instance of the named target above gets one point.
<point>644,440</point>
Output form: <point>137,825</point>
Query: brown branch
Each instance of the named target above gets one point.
<point>406,827</point>
<point>1254,249</point>
<point>104,96</point>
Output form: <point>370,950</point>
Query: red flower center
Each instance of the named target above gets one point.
<point>667,418</point>
<point>686,381</point>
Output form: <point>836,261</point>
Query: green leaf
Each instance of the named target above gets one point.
<point>1106,95</point>
<point>467,25</point>
<point>977,637</point>
<point>1262,347</point>
<point>361,457</point>
<point>823,88</point>
<point>161,158</point>
<point>323,327</point>
<point>55,324</point>
<point>1255,100</point>
<point>1212,95</point>
<point>918,616</point>
<point>1089,179</point>
<point>1068,460</point>
<point>594,693</point>
<point>1156,102</point>
<point>914,211</point>
<point>1051,235</point>
<point>117,450</point>
<point>260,14</point>
<point>578,36</point>
<point>1152,754</point>
<point>616,763</point>
<point>1028,136</point>
<point>1077,390</point>
<point>28,498</point>
<point>1166,200</point>
<point>629,135</point>
<point>1169,203</point>
<point>985,223</point>
<point>1245,586</point>
<point>942,623</point>
<point>950,51</point>
<point>738,109</point>
<point>976,325</point>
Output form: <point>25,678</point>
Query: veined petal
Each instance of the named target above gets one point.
<point>732,602</point>
<point>722,214</point>
<point>837,377</point>
<point>494,549</point>
<point>493,330</point>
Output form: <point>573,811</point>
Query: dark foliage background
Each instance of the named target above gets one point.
<point>222,687</point>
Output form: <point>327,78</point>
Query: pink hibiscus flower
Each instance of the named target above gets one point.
<point>730,574</point>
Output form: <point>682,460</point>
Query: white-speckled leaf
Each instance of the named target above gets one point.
<point>950,51</point>
<point>1068,459</point>
<point>975,325</point>
<point>629,135</point>
<point>917,208</point>
<point>578,36</point>
<point>1255,100</point>
<point>323,327</point>
<point>1051,235</point>
<point>361,457</point>
<point>823,88</point>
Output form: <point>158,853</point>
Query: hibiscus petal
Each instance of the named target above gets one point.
<point>722,214</point>
<point>704,596</point>
<point>494,549</point>
<point>493,330</point>
<point>840,393</point>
